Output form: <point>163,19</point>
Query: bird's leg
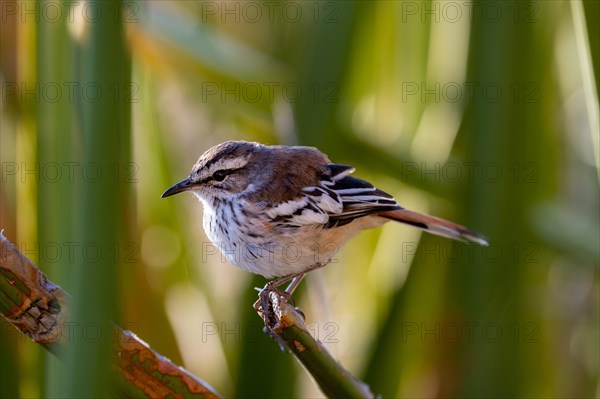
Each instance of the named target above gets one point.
<point>294,284</point>
<point>264,304</point>
<point>286,295</point>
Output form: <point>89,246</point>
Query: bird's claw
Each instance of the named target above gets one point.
<point>264,305</point>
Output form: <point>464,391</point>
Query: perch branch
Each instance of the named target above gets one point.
<point>286,325</point>
<point>39,309</point>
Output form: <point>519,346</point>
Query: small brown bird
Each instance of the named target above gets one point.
<point>281,211</point>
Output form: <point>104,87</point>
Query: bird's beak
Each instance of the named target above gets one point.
<point>183,185</point>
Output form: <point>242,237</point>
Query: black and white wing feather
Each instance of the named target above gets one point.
<point>358,197</point>
<point>341,198</point>
<point>337,201</point>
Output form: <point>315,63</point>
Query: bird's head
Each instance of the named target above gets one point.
<point>224,170</point>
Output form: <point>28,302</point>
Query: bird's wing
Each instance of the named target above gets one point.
<point>340,198</point>
<point>336,201</point>
<point>358,197</point>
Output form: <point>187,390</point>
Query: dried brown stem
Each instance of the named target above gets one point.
<point>40,309</point>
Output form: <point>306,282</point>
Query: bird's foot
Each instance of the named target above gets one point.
<point>269,298</point>
<point>270,303</point>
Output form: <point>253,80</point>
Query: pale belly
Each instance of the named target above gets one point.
<point>246,243</point>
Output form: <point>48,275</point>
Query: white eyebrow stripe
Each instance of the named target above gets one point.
<point>226,164</point>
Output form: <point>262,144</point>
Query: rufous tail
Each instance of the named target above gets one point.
<point>436,226</point>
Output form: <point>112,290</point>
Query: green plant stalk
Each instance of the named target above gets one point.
<point>289,328</point>
<point>40,309</point>
<point>103,202</point>
<point>56,135</point>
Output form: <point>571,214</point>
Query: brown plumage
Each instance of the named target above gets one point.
<point>260,201</point>
<point>436,226</point>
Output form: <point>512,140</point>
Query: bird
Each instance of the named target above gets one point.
<point>282,211</point>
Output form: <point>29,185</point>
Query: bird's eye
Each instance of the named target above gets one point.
<point>219,175</point>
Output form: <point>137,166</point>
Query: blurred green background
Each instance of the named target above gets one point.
<point>485,113</point>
